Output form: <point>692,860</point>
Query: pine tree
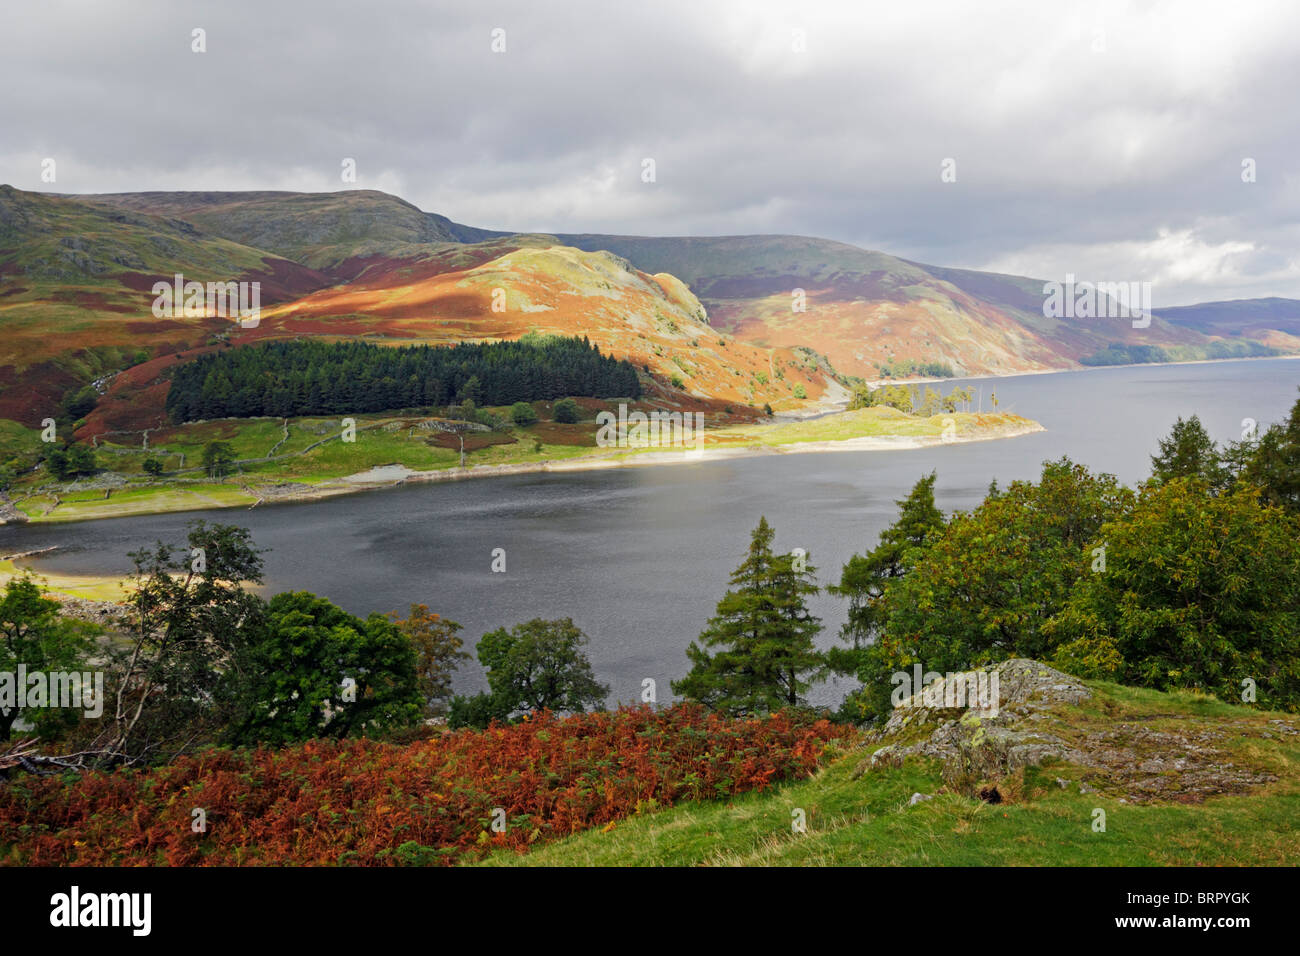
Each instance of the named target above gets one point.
<point>1272,463</point>
<point>763,633</point>
<point>1188,452</point>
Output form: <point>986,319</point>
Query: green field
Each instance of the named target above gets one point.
<point>307,457</point>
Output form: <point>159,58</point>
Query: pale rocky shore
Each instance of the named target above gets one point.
<point>388,476</point>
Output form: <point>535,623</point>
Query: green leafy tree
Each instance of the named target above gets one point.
<point>177,671</point>
<point>764,635</point>
<point>1189,452</point>
<point>81,403</point>
<point>865,578</point>
<point>983,590</point>
<point>438,652</point>
<point>566,411</point>
<point>56,463</point>
<point>476,710</point>
<point>81,460</point>
<point>152,466</point>
<point>1198,591</point>
<point>1272,462</point>
<point>537,665</point>
<point>218,459</point>
<point>314,670</point>
<point>521,413</point>
<point>32,633</point>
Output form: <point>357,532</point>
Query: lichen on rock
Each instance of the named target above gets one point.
<point>1033,720</point>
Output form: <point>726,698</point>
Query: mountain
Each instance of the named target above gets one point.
<point>862,309</point>
<point>315,229</point>
<point>505,288</point>
<point>75,281</point>
<point>729,319</point>
<point>1272,321</point>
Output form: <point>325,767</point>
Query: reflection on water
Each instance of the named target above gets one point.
<point>639,557</point>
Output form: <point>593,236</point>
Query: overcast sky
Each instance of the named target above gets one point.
<point>1102,139</point>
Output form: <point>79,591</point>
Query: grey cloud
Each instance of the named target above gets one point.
<point>1064,155</point>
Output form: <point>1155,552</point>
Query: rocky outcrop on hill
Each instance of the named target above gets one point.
<point>1039,714</point>
<point>104,613</point>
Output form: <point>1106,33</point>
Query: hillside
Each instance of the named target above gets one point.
<point>862,307</point>
<point>79,272</point>
<point>655,321</point>
<point>316,229</point>
<point>708,319</point>
<point>1272,321</point>
<point>1067,773</point>
<point>1180,779</point>
<point>75,302</point>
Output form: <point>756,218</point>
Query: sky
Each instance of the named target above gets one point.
<point>1145,141</point>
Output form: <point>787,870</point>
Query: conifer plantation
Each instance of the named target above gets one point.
<point>313,378</point>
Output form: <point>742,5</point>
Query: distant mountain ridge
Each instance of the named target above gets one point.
<point>731,318</point>
<point>863,307</point>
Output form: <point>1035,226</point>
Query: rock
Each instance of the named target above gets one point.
<point>1136,758</point>
<point>105,613</point>
<point>919,797</point>
<point>984,741</point>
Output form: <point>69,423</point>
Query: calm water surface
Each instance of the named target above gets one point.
<point>639,557</point>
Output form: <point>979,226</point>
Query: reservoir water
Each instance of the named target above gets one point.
<point>639,557</point>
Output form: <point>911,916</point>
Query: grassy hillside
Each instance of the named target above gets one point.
<point>76,300</point>
<point>710,318</point>
<point>316,229</point>
<point>863,307</point>
<point>1194,782</point>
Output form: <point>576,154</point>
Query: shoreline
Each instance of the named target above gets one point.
<point>649,459</point>
<point>1099,368</point>
<point>383,477</point>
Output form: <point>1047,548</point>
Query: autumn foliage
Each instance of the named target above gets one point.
<point>370,803</point>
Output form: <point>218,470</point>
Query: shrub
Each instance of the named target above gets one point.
<point>1196,591</point>
<point>367,802</point>
<point>566,411</point>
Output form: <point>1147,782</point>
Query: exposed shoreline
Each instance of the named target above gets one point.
<point>690,456</point>
<point>392,476</point>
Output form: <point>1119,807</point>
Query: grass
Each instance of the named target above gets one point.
<point>868,820</point>
<point>877,422</point>
<point>68,585</point>
<point>309,454</point>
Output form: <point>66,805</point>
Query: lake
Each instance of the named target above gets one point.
<point>639,557</point>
